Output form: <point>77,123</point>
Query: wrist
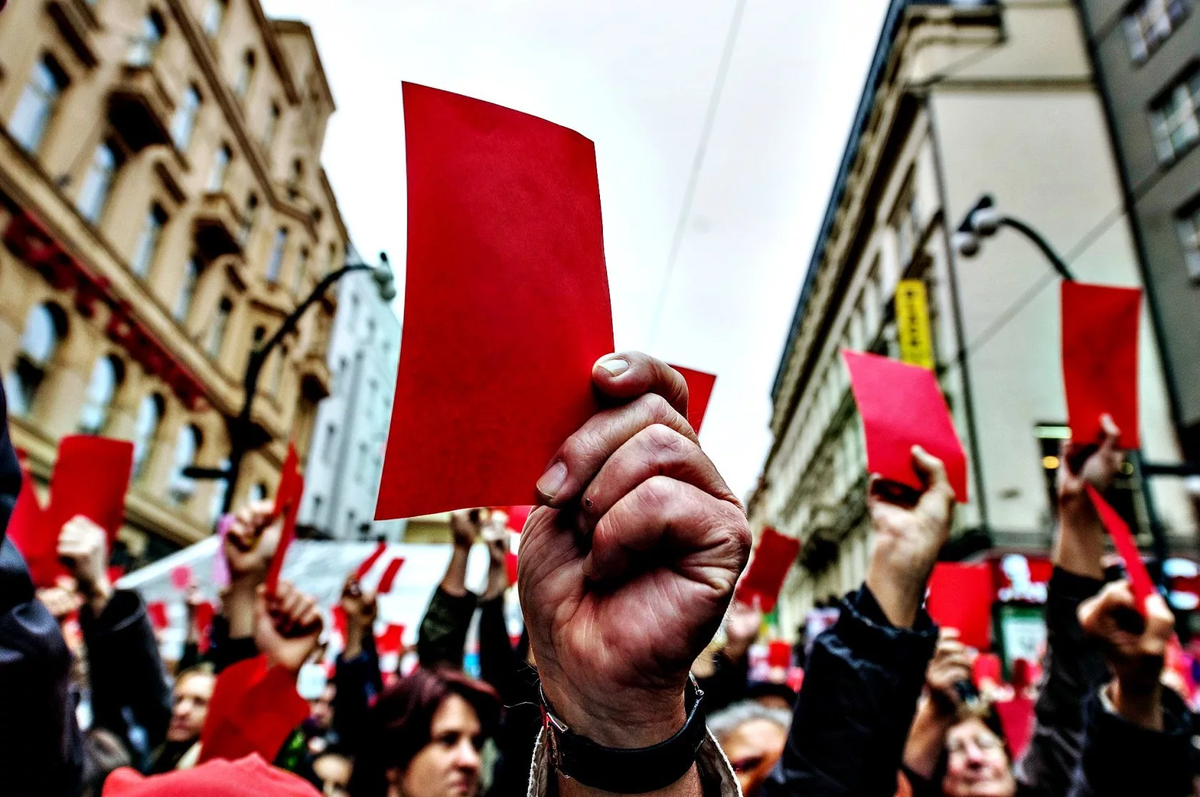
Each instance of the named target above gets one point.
<point>899,599</point>
<point>640,720</point>
<point>97,593</point>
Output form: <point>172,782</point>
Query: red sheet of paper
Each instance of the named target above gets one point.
<point>253,710</point>
<point>768,568</point>
<point>90,478</point>
<point>369,562</point>
<point>181,577</point>
<point>389,575</point>
<point>1100,359</point>
<point>205,612</point>
<point>391,640</point>
<point>1123,540</point>
<point>1016,717</point>
<point>511,563</point>
<point>960,597</point>
<point>779,653</point>
<point>901,406</point>
<point>157,613</point>
<point>25,530</point>
<point>700,388</point>
<point>517,515</point>
<point>506,304</point>
<point>287,506</point>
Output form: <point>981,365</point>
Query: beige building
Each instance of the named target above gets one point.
<point>963,99</point>
<point>162,209</point>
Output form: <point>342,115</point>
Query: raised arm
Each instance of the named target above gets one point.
<point>443,632</point>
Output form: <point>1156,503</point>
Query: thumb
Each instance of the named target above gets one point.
<point>932,470</point>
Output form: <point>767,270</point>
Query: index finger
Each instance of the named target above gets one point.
<point>631,374</point>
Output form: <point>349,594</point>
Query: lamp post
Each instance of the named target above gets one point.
<point>983,221</point>
<point>243,436</point>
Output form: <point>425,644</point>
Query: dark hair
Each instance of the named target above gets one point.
<point>398,726</point>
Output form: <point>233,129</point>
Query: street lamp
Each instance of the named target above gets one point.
<point>243,435</point>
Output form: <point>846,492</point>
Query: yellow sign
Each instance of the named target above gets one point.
<point>912,324</point>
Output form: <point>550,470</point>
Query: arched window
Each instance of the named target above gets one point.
<point>107,375</point>
<point>97,183</point>
<point>220,167</point>
<point>296,180</point>
<point>150,415</point>
<point>221,323</point>
<point>275,263</point>
<point>45,328</point>
<point>248,219</point>
<point>187,446</point>
<point>184,121</point>
<point>187,291</point>
<point>301,270</point>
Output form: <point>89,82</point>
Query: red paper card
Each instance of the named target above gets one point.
<point>700,388</point>
<point>157,612</point>
<point>287,505</point>
<point>779,653</point>
<point>902,406</point>
<point>1100,359</point>
<point>25,529</point>
<point>389,575</point>
<point>517,515</point>
<point>369,562</point>
<point>181,577</point>
<point>205,613</point>
<point>90,478</point>
<point>960,597</point>
<point>1016,718</point>
<point>391,640</point>
<point>1139,577</point>
<point>506,304</point>
<point>510,564</point>
<point>253,710</point>
<point>768,568</point>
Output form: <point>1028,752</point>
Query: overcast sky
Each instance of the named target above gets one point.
<point>636,77</point>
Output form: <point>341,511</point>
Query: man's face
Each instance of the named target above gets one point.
<point>333,771</point>
<point>189,703</point>
<point>977,765</point>
<point>753,748</point>
<point>321,709</point>
<point>449,766</point>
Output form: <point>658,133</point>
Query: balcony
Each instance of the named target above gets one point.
<point>139,107</point>
<point>217,225</point>
<point>316,382</point>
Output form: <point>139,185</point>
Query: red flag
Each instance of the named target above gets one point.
<point>389,575</point>
<point>700,388</point>
<point>287,505</point>
<point>254,708</point>
<point>960,597</point>
<point>902,406</point>
<point>1100,359</point>
<point>1123,540</point>
<point>504,222</point>
<point>768,568</point>
<point>370,561</point>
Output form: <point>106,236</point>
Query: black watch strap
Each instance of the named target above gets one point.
<point>627,771</point>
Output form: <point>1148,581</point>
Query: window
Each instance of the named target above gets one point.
<point>147,243</point>
<point>1188,226</point>
<point>220,165</point>
<point>36,106</point>
<point>214,15</point>
<point>248,219</point>
<point>258,492</point>
<point>272,126</point>
<point>1149,22</point>
<point>1176,118</point>
<point>316,508</point>
<point>340,377</point>
<point>150,415</point>
<point>296,180</point>
<point>280,361</point>
<point>216,337</point>
<point>330,437</point>
<point>97,183</point>
<point>107,375</point>
<point>187,447</point>
<point>245,75</point>
<point>143,48</point>
<point>45,328</point>
<point>187,291</point>
<point>301,270</point>
<point>184,121</point>
<point>906,221</point>
<point>276,261</point>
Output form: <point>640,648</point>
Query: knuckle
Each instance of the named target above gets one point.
<point>665,441</point>
<point>655,406</point>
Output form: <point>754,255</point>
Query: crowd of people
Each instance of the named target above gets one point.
<point>628,567</point>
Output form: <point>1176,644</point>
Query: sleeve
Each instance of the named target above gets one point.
<point>358,683</point>
<point>1120,758</point>
<point>190,658</point>
<point>858,699</point>
<point>497,660</point>
<point>727,685</point>
<point>41,750</point>
<point>126,673</point>
<point>1074,668</point>
<point>225,652</point>
<point>443,632</point>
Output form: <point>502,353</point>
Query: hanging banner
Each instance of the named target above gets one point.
<point>912,324</point>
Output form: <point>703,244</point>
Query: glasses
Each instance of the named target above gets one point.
<point>983,742</point>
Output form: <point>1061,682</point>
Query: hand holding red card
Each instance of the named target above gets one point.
<point>769,566</point>
<point>700,388</point>
<point>1100,359</point>
<point>287,506</point>
<point>506,304</point>
<point>1139,577</point>
<point>902,406</point>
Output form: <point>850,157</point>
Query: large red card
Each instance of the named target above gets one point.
<point>287,506</point>
<point>960,597</point>
<point>700,388</point>
<point>773,557</point>
<point>90,478</point>
<point>1123,540</point>
<point>1100,359</point>
<point>254,708</point>
<point>506,304</point>
<point>389,575</point>
<point>902,406</point>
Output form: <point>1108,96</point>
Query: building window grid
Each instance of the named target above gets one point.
<point>101,390</point>
<point>1176,118</point>
<point>39,99</point>
<point>44,330</point>
<point>1188,227</point>
<point>187,446</point>
<point>97,183</point>
<point>1149,23</point>
<point>187,291</point>
<point>150,414</point>
<point>275,264</point>
<point>147,243</point>
<point>183,123</point>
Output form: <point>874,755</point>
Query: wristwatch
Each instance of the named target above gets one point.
<point>626,771</point>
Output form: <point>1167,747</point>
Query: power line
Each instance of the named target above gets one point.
<point>685,211</point>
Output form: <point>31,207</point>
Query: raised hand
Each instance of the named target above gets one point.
<point>950,666</point>
<point>742,625</point>
<point>83,547</point>
<point>60,600</point>
<point>466,526</point>
<point>629,564</point>
<point>910,528</point>
<point>1081,541</point>
<point>287,626</point>
<point>251,542</point>
<point>1135,656</point>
